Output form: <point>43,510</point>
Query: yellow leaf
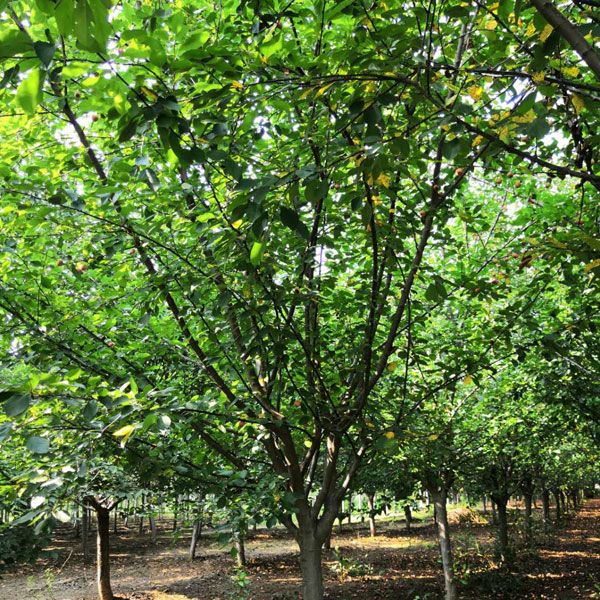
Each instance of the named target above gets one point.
<point>504,134</point>
<point>390,435</point>
<point>237,85</point>
<point>528,117</point>
<point>149,93</point>
<point>592,265</point>
<point>546,32</point>
<point>306,94</point>
<point>491,25</point>
<point>433,437</point>
<point>468,380</point>
<point>530,29</point>
<point>578,103</point>
<point>124,433</point>
<point>571,71</point>
<point>322,90</point>
<point>237,224</point>
<point>477,141</point>
<point>392,366</point>
<point>384,180</point>
<point>537,77</point>
<point>475,92</point>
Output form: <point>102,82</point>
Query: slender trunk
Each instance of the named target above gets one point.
<point>561,496</point>
<point>116,523</point>
<point>240,549</point>
<point>556,495</point>
<point>407,517</point>
<point>546,508</point>
<point>501,504</point>
<point>126,520</point>
<point>485,510</point>
<point>528,503</point>
<point>175,514</point>
<point>196,533</point>
<point>360,508</point>
<point>371,502</point>
<point>310,566</point>
<point>153,530</point>
<point>443,530</point>
<point>103,554</point>
<point>85,527</point>
<point>494,512</point>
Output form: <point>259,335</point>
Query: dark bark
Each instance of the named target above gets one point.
<point>407,517</point>
<point>546,508</point>
<point>528,498</point>
<point>153,529</point>
<point>240,549</point>
<point>85,528</point>
<point>556,494</point>
<point>443,531</point>
<point>485,510</point>
<point>569,32</point>
<point>103,553</point>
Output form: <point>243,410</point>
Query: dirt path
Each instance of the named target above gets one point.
<point>395,565</point>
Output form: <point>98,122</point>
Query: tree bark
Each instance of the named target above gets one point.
<point>153,529</point>
<point>556,495</point>
<point>310,566</point>
<point>546,508</point>
<point>570,33</point>
<point>528,504</point>
<point>443,531</point>
<point>103,553</point>
<point>407,517</point>
<point>240,549</point>
<point>485,510</point>
<point>371,502</point>
<point>196,533</point>
<point>501,504</point>
<point>116,523</point>
<point>85,528</point>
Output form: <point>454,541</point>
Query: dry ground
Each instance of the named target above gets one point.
<point>400,565</point>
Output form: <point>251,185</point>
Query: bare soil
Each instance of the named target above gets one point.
<point>395,565</point>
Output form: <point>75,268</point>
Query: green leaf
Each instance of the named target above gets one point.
<point>17,405</point>
<point>38,445</point>
<point>315,190</point>
<point>45,52</point>
<point>29,92</point>
<point>90,410</point>
<point>256,253</point>
<point>291,219</point>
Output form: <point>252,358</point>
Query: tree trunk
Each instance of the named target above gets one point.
<point>561,495</point>
<point>116,522</point>
<point>556,495</point>
<point>103,554</point>
<point>310,566</point>
<point>153,530</point>
<point>240,549</point>
<point>371,502</point>
<point>443,530</point>
<point>501,504</point>
<point>494,512</point>
<point>528,504</point>
<point>407,517</point>
<point>85,528</point>
<point>485,510</point>
<point>546,508</point>
<point>196,533</point>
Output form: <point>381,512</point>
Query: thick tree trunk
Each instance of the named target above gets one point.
<point>443,530</point>
<point>407,517</point>
<point>196,533</point>
<point>103,554</point>
<point>371,502</point>
<point>501,504</point>
<point>310,566</point>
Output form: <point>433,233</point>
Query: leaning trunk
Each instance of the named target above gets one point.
<point>103,554</point>
<point>443,530</point>
<point>196,532</point>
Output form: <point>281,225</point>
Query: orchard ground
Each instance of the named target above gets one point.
<point>396,564</point>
